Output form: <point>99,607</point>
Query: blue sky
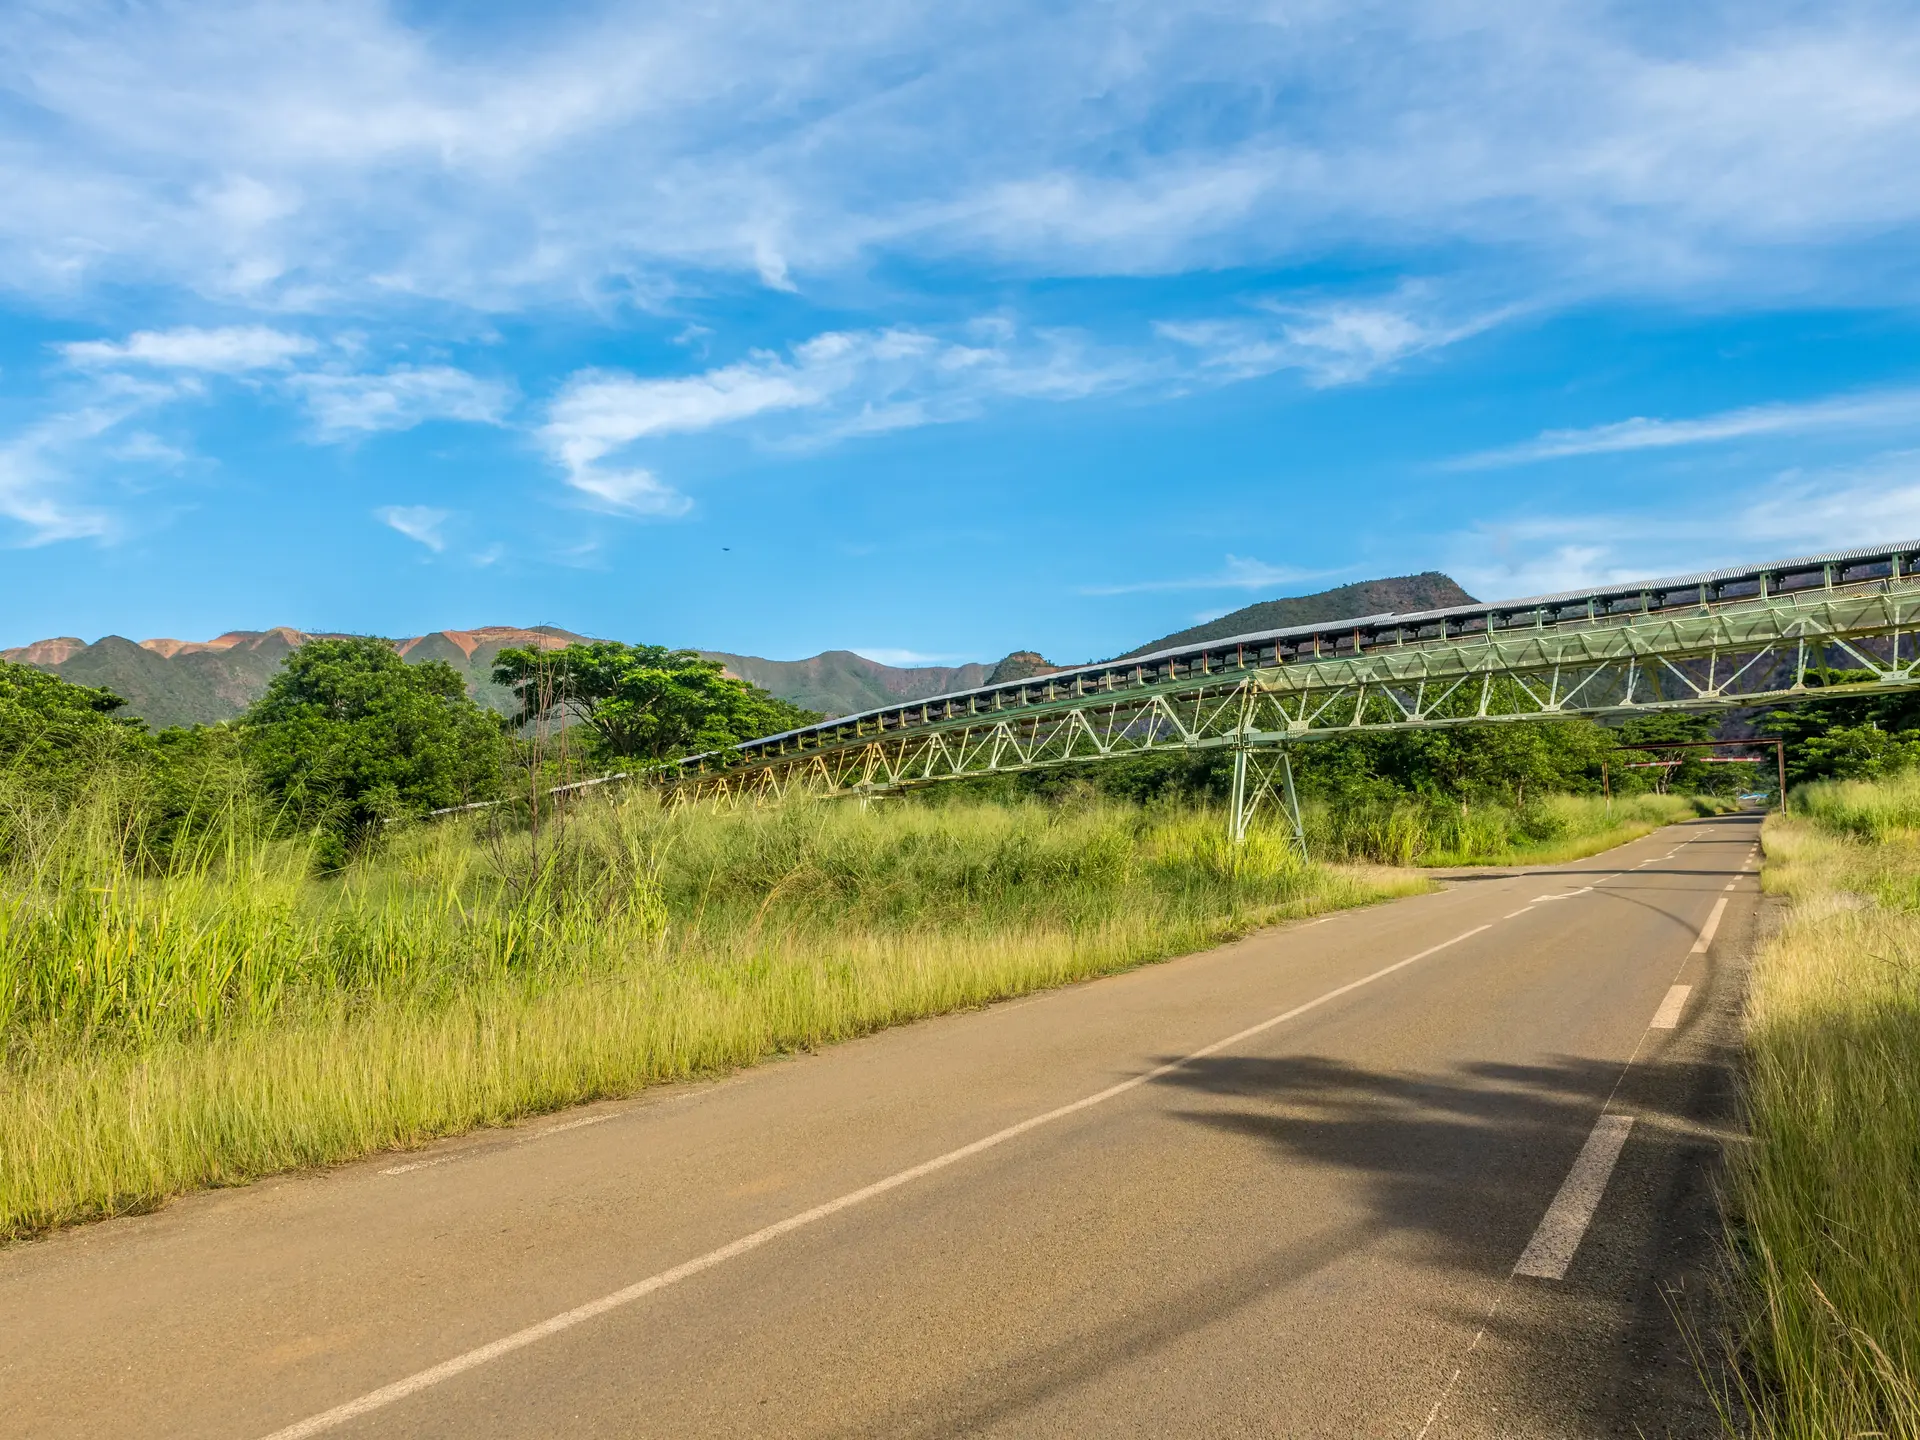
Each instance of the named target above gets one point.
<point>929,330</point>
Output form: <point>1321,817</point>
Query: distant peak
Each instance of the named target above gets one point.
<point>1395,594</point>
<point>56,651</point>
<point>541,637</point>
<point>1021,665</point>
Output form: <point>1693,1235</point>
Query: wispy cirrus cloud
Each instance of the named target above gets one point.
<point>231,350</point>
<point>1237,573</point>
<point>110,381</point>
<point>835,386</point>
<point>420,523</point>
<point>893,655</point>
<point>1869,410</point>
<point>351,403</point>
<point>48,468</point>
<point>1331,342</point>
<point>261,151</point>
<point>342,401</point>
<point>1798,512</point>
<point>842,385</point>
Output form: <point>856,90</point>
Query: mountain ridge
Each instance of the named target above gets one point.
<point>199,682</point>
<point>1396,594</point>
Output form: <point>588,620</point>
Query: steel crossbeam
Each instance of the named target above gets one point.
<point>1733,638</point>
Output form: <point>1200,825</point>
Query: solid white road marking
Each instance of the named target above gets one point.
<point>1668,1015</point>
<point>1712,925</point>
<point>1550,1252</point>
<point>566,1320</point>
<point>570,1125</point>
<point>525,1139</point>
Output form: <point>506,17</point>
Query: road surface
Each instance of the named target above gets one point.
<point>1426,1169</point>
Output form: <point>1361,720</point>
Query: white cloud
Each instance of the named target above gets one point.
<point>422,523</point>
<point>348,404</point>
<point>1238,573</point>
<point>144,447</point>
<point>601,410</point>
<point>835,386</point>
<point>889,655</point>
<point>1797,513</point>
<point>302,151</point>
<point>1873,410</point>
<point>1332,342</point>
<point>342,402</point>
<point>628,491</point>
<point>228,350</point>
<point>47,468</point>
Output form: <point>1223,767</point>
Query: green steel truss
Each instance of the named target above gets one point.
<point>1388,673</point>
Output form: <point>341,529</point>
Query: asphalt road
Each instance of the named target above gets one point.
<point>1078,1214</point>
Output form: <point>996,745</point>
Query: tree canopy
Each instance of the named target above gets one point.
<point>349,733</point>
<point>53,732</point>
<point>643,702</point>
<point>1846,737</point>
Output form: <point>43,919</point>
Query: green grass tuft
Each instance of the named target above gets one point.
<point>1825,1203</point>
<point>1408,830</point>
<point>217,1014</point>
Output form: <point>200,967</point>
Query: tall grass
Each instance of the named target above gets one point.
<point>1866,809</point>
<point>1409,830</point>
<point>211,1013</point>
<point>1825,1203</point>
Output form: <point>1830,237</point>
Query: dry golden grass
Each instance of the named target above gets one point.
<point>1825,1203</point>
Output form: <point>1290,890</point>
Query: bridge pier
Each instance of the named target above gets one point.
<point>1254,783</point>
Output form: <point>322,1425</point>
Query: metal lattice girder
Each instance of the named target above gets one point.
<point>1732,638</point>
<point>1263,780</point>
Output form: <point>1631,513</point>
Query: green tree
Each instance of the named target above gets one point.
<point>1828,739</point>
<point>349,734</point>
<point>1511,762</point>
<point>1632,770</point>
<point>643,702</point>
<point>1858,752</point>
<point>56,735</point>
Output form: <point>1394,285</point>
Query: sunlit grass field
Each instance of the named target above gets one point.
<point>1825,1202</point>
<point>218,1013</point>
<point>1550,831</point>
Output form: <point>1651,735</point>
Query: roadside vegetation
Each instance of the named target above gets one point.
<point>237,949</point>
<point>1824,1201</point>
<point>225,1012</point>
<point>1550,830</point>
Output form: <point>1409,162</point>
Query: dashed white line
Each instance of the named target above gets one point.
<point>566,1320</point>
<point>1668,1015</point>
<point>1708,930</point>
<point>1562,1228</point>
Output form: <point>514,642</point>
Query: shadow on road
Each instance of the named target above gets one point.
<point>1464,1164</point>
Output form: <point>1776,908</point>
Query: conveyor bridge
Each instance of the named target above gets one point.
<point>1725,638</point>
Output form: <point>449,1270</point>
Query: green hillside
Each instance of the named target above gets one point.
<point>1401,594</point>
<point>839,682</point>
<point>173,682</point>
